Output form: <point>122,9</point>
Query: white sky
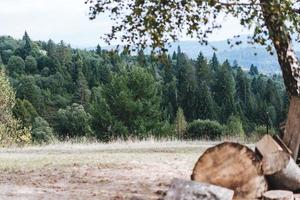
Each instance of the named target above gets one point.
<point>68,20</point>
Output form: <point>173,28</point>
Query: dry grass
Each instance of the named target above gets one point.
<point>117,170</point>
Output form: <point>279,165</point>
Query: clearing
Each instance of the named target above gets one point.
<point>132,170</point>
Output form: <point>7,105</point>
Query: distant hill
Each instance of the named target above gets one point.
<point>245,54</point>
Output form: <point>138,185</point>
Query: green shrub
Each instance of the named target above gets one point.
<point>41,131</point>
<point>204,129</point>
<point>167,130</point>
<point>234,127</point>
<point>73,122</point>
<point>262,130</point>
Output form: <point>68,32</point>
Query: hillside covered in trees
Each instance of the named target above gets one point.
<point>67,93</point>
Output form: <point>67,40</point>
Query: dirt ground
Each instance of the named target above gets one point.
<point>96,171</point>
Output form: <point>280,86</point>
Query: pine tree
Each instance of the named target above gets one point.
<point>224,92</point>
<point>27,46</point>
<point>169,90</point>
<point>273,99</point>
<point>174,56</point>
<point>204,105</point>
<point>203,72</point>
<point>98,50</point>
<point>51,49</point>
<point>242,88</point>
<point>82,92</point>
<point>214,63</point>
<point>253,70</point>
<point>180,123</point>
<point>185,84</point>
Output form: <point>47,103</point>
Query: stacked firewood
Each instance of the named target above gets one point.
<point>234,171</point>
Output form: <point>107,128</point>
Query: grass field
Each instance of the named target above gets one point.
<point>120,170</point>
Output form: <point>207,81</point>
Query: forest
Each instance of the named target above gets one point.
<point>63,93</point>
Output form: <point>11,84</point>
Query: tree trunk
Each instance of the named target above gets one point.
<point>232,166</point>
<point>289,66</point>
<point>291,135</point>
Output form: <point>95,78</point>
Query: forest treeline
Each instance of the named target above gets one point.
<point>64,93</point>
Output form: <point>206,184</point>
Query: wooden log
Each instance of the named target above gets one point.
<point>182,190</point>
<point>274,157</point>
<point>286,179</point>
<point>233,166</point>
<point>282,144</point>
<point>297,196</point>
<point>278,195</point>
<point>268,145</point>
<point>281,170</point>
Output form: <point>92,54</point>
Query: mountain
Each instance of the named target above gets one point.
<point>245,54</point>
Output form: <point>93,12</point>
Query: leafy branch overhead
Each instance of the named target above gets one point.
<point>155,23</point>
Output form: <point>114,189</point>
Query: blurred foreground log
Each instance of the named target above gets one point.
<point>184,190</point>
<point>278,195</point>
<point>233,166</point>
<point>281,169</point>
<point>297,196</point>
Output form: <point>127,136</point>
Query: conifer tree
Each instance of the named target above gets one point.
<point>214,63</point>
<point>98,50</point>
<point>28,44</point>
<point>82,92</point>
<point>180,123</point>
<point>253,70</point>
<point>204,105</point>
<point>185,84</point>
<point>224,92</point>
<point>203,72</point>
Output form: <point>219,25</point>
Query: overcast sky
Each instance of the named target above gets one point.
<point>68,20</point>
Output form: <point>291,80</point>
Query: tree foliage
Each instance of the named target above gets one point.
<point>11,130</point>
<point>65,92</point>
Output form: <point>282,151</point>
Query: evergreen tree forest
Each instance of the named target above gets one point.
<point>64,93</point>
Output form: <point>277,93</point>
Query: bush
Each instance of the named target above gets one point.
<point>262,130</point>
<point>41,131</point>
<point>166,130</point>
<point>204,129</point>
<point>234,127</point>
<point>73,122</point>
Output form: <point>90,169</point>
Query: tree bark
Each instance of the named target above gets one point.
<point>233,166</point>
<point>290,68</point>
<point>291,135</point>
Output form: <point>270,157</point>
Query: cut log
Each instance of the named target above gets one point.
<point>281,170</point>
<point>274,157</point>
<point>268,145</point>
<point>278,195</point>
<point>183,190</point>
<point>282,144</point>
<point>233,166</point>
<point>286,179</point>
<point>297,196</point>
<point>274,162</point>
